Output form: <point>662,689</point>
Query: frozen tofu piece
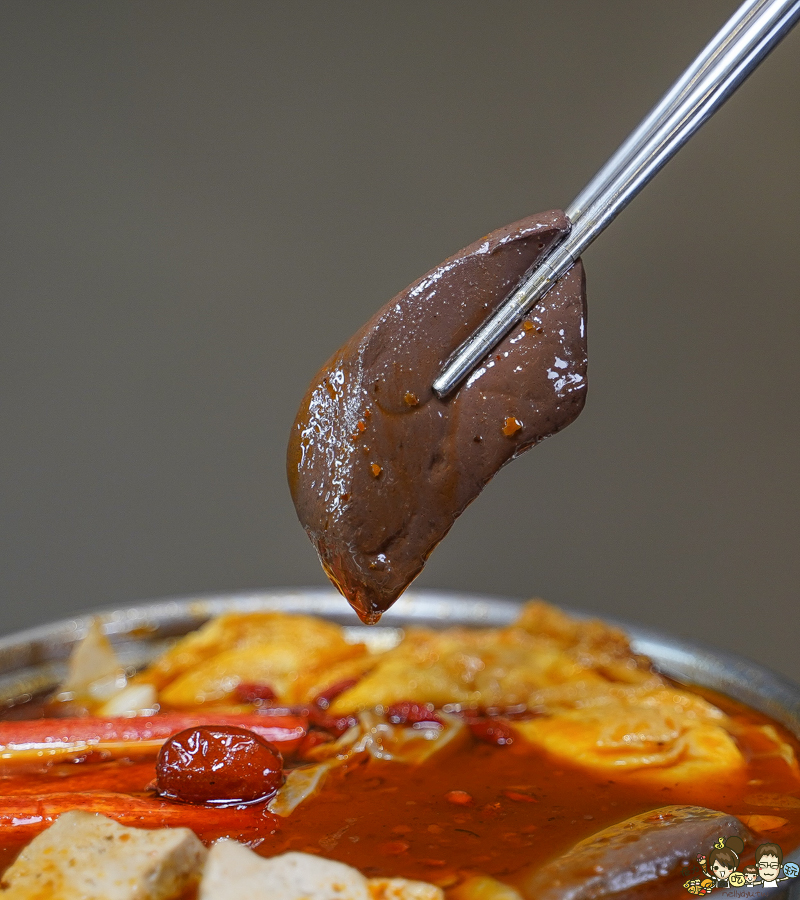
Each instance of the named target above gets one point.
<point>403,889</point>
<point>235,631</point>
<point>533,662</point>
<point>232,870</point>
<point>658,736</point>
<point>86,856</point>
<point>273,650</point>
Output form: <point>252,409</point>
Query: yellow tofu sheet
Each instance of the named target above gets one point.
<point>594,703</point>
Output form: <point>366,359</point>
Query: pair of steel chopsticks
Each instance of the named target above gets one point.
<point>745,40</point>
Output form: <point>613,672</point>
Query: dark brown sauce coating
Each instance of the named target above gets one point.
<point>379,468</point>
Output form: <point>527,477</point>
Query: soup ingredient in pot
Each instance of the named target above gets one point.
<point>467,758</point>
<point>90,856</point>
<point>630,854</point>
<point>285,655</point>
<point>233,869</point>
<point>219,765</point>
<point>379,467</point>
<point>572,688</point>
<point>44,741</point>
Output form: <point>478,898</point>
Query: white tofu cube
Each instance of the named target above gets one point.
<point>86,856</point>
<point>232,870</point>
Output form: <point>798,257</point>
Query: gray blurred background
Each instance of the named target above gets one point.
<point>201,201</point>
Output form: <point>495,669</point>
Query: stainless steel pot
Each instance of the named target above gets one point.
<point>35,660</point>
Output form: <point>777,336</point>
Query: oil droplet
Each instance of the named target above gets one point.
<point>512,426</point>
<point>375,469</point>
<point>411,399</point>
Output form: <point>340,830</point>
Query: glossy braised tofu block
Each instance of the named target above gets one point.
<point>89,856</point>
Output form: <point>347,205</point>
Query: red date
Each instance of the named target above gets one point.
<point>255,693</point>
<point>219,765</point>
<point>407,712</point>
<point>492,732</point>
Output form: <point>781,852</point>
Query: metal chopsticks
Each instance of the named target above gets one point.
<point>738,48</point>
